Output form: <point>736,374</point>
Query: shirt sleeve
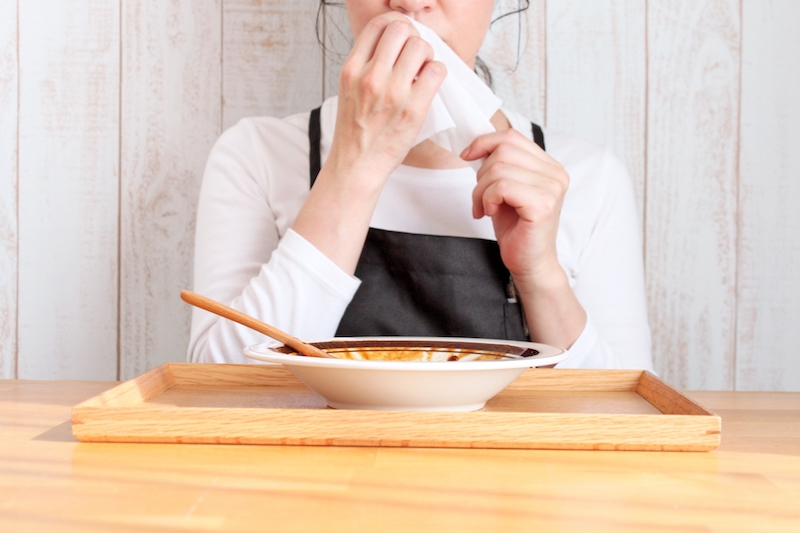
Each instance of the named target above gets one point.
<point>243,260</point>
<point>609,279</point>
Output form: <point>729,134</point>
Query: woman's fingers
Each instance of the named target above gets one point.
<point>398,60</point>
<point>388,61</point>
<point>487,144</point>
<point>367,41</point>
<point>515,170</point>
<point>490,194</point>
<point>428,81</point>
<point>508,154</point>
<point>511,157</point>
<point>532,203</point>
<point>391,44</point>
<point>516,187</point>
<point>415,54</point>
<point>513,186</point>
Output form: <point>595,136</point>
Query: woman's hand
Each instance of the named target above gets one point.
<point>385,89</point>
<point>386,86</point>
<point>522,189</point>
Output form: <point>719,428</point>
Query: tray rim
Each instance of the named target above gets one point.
<point>125,402</point>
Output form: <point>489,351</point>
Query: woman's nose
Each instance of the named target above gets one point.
<point>410,7</point>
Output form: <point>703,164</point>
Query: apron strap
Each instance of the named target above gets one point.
<point>314,137</point>
<point>538,135</point>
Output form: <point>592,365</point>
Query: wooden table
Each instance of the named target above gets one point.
<point>50,482</point>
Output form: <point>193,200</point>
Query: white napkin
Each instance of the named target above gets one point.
<point>461,109</point>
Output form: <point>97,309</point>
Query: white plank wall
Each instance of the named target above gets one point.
<point>171,111</point>
<point>272,63</point>
<point>8,189</point>
<point>693,113</point>
<point>108,109</point>
<point>603,97</point>
<point>68,189</point>
<point>768,277</point>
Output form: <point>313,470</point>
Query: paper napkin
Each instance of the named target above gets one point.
<point>461,109</point>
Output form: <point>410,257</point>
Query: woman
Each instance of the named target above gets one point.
<point>402,238</point>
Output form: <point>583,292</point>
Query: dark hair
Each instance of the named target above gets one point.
<point>481,69</point>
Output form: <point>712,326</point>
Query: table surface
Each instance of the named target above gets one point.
<point>50,482</point>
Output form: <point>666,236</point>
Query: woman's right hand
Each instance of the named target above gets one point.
<point>386,87</point>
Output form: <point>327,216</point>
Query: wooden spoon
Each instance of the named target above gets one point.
<point>224,311</point>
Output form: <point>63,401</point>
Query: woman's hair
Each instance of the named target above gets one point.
<point>481,69</point>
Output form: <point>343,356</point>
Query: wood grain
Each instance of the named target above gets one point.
<point>693,102</point>
<point>750,483</point>
<point>136,391</point>
<point>272,62</point>
<point>596,77</point>
<point>68,188</point>
<point>546,410</point>
<point>8,189</point>
<point>756,422</point>
<point>170,119</point>
<point>768,284</point>
<point>665,398</point>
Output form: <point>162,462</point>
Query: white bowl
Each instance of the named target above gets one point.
<point>433,384</point>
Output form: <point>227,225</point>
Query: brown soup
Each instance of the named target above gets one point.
<point>416,351</point>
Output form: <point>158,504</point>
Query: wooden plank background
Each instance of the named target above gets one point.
<point>9,108</point>
<point>170,109</point>
<point>108,111</point>
<point>768,268</point>
<point>692,143</point>
<point>68,188</point>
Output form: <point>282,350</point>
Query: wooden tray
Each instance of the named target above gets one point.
<point>265,404</point>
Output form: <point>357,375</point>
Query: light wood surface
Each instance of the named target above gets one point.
<point>107,113</point>
<point>49,482</point>
<point>258,404</point>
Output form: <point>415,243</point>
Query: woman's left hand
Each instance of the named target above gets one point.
<point>522,189</point>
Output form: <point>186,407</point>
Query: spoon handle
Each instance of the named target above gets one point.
<point>217,308</point>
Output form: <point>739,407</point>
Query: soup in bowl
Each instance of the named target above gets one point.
<point>432,351</point>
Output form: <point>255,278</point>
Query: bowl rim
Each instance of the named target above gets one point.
<point>548,355</point>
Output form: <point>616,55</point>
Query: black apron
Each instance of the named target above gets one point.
<point>428,285</point>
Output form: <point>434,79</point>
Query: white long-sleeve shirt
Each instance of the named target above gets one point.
<point>247,256</point>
